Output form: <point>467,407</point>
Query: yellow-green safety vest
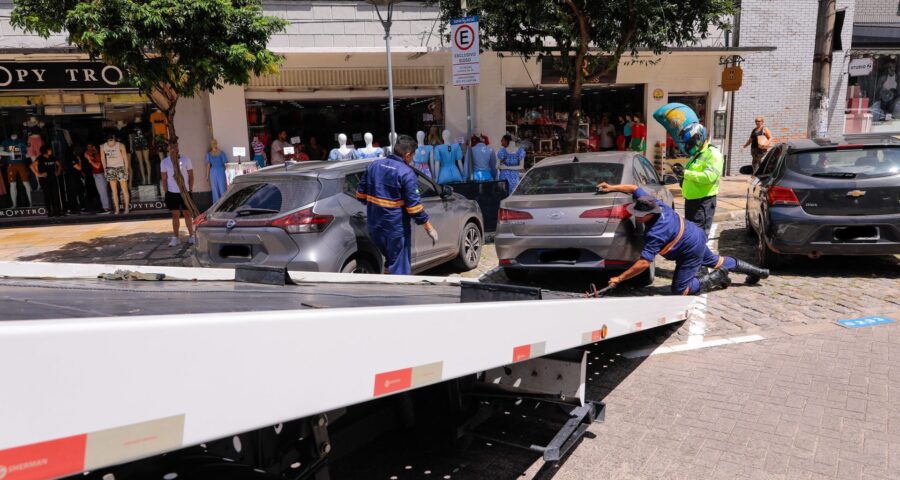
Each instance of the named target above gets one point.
<point>702,174</point>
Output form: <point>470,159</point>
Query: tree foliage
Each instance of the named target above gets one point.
<point>585,38</point>
<point>168,48</point>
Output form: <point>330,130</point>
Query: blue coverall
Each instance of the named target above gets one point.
<point>390,189</point>
<point>684,242</point>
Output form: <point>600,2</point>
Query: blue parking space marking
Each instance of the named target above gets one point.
<point>865,322</point>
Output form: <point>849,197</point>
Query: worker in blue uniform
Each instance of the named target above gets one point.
<point>667,234</point>
<point>390,189</point>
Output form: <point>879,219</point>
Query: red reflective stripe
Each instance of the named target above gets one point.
<point>522,352</point>
<point>54,458</point>
<point>389,382</point>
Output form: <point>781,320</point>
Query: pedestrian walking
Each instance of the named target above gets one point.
<point>92,155</point>
<point>390,189</point>
<point>759,141</point>
<point>74,178</point>
<point>701,176</point>
<point>174,202</point>
<point>47,169</point>
<point>668,235</point>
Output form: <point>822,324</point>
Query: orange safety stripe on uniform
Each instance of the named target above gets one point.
<point>671,244</point>
<point>415,209</point>
<point>383,202</point>
<point>687,291</point>
<point>360,195</point>
<point>719,263</point>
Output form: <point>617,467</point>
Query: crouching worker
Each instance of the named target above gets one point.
<point>390,190</point>
<point>667,234</point>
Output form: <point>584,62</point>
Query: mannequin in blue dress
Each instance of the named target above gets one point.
<point>369,151</point>
<point>215,170</point>
<point>448,161</point>
<point>424,156</point>
<point>511,161</point>
<point>343,152</point>
<point>482,161</point>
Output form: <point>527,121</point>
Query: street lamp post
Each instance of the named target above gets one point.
<point>386,23</point>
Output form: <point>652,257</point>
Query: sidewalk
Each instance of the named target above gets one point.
<point>731,201</point>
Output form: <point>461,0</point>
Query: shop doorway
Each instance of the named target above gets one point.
<point>324,120</point>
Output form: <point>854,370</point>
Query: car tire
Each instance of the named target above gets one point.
<point>516,274</point>
<point>470,243</point>
<point>647,277</point>
<point>359,265</point>
<point>748,227</point>
<point>764,255</point>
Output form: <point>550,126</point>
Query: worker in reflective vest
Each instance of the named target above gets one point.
<point>667,234</point>
<point>702,174</point>
<point>390,189</point>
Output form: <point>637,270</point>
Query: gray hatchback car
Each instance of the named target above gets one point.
<point>304,216</point>
<point>555,220</point>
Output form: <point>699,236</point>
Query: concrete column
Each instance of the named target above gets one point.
<point>192,127</point>
<point>228,120</point>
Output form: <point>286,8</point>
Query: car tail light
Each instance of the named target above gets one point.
<point>505,261</point>
<point>617,211</point>
<point>505,216</point>
<point>782,196</point>
<point>304,221</point>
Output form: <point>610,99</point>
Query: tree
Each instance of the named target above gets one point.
<point>168,49</point>
<point>588,38</point>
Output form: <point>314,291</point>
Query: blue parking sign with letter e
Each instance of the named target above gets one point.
<point>865,322</point>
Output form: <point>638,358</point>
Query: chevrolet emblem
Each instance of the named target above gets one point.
<point>856,193</point>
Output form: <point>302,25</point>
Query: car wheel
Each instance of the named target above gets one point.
<point>748,227</point>
<point>764,255</point>
<point>516,275</point>
<point>469,247</point>
<point>358,265</point>
<point>647,277</point>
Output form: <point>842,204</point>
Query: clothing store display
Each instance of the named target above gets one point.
<point>160,124</point>
<point>376,152</point>
<point>49,184</point>
<point>74,181</point>
<point>93,157</point>
<point>510,160</point>
<point>422,159</point>
<point>17,168</point>
<point>217,180</point>
<point>482,162</point>
<point>446,157</point>
<point>259,152</point>
<point>113,154</point>
<point>337,155</point>
<point>35,142</point>
<point>638,137</point>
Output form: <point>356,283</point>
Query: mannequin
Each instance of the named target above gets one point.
<point>259,151</point>
<point>424,156</point>
<point>115,165</point>
<point>369,151</point>
<point>448,161</point>
<point>482,161</point>
<point>17,169</point>
<point>215,170</point>
<point>343,152</point>
<point>511,161</point>
<point>33,128</point>
<point>139,149</point>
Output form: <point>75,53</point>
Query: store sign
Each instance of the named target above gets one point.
<point>659,94</point>
<point>732,79</point>
<point>860,67</point>
<point>552,75</point>
<point>60,75</point>
<point>465,51</point>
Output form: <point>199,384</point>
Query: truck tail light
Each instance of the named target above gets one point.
<point>782,196</point>
<point>506,216</point>
<point>304,221</point>
<point>618,211</point>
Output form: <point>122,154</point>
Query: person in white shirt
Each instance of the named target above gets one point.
<point>174,202</point>
<point>607,135</point>
<point>278,147</point>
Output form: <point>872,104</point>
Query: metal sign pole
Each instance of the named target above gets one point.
<point>386,23</point>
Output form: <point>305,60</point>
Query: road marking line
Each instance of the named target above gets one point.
<point>697,324</point>
<point>684,347</point>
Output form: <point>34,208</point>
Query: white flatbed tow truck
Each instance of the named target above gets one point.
<point>254,373</point>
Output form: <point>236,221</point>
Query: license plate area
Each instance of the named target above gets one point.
<point>568,256</point>
<point>866,233</point>
<point>231,251</point>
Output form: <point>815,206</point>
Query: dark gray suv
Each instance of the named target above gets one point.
<point>304,216</point>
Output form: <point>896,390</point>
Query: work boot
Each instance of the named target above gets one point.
<point>753,273</point>
<point>717,280</point>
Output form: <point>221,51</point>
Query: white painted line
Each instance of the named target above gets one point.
<point>697,322</point>
<point>684,347</point>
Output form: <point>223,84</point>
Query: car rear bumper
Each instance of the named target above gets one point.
<point>565,253</point>
<point>796,232</point>
<point>219,248</point>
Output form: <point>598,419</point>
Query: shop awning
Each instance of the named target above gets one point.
<point>872,35</point>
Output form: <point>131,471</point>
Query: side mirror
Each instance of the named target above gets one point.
<point>746,170</point>
<point>446,192</point>
<point>670,180</point>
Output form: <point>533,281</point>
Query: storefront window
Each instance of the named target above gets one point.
<point>317,123</point>
<point>68,122</point>
<point>537,118</point>
<point>873,95</point>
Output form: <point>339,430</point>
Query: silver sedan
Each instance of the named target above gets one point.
<point>556,221</point>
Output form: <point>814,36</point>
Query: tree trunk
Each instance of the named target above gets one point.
<point>179,178</point>
<point>821,76</point>
<point>576,80</point>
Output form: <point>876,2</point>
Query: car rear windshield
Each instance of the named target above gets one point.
<point>569,178</point>
<point>268,197</point>
<point>849,163</point>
